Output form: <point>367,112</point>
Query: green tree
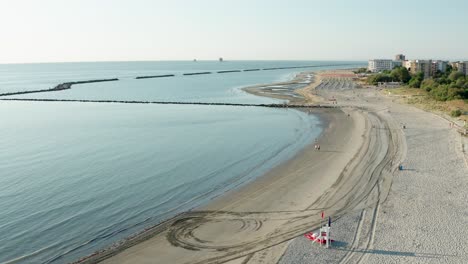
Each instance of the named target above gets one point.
<point>460,82</point>
<point>456,113</point>
<point>414,83</point>
<point>420,75</point>
<point>449,69</point>
<point>400,74</point>
<point>429,84</point>
<point>380,77</point>
<point>416,80</point>
<point>455,75</point>
<point>361,70</point>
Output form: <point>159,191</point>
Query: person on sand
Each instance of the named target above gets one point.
<point>318,147</point>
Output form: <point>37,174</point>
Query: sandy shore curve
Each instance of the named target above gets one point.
<point>359,151</point>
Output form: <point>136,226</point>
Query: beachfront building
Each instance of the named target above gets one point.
<point>397,64</point>
<point>407,64</point>
<point>379,65</point>
<point>424,66</point>
<point>454,64</point>
<point>462,67</point>
<point>441,66</point>
<point>438,66</point>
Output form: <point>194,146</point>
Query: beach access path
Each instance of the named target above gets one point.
<point>424,219</point>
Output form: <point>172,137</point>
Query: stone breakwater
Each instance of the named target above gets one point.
<point>60,87</point>
<point>197,73</point>
<point>170,103</point>
<point>237,71</point>
<point>154,76</point>
<point>229,71</point>
<point>68,85</point>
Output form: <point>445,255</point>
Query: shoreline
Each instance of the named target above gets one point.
<point>307,81</point>
<point>291,174</point>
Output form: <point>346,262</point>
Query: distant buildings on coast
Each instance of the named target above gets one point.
<point>428,67</point>
<point>380,65</point>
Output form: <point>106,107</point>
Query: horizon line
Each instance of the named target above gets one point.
<point>192,60</point>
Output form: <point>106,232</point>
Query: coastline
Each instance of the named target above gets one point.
<point>380,214</point>
<point>283,194</point>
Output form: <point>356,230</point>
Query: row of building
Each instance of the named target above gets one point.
<point>428,67</point>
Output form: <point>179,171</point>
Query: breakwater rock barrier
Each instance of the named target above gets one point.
<point>244,70</point>
<point>170,103</point>
<point>197,73</point>
<point>60,87</point>
<point>155,76</point>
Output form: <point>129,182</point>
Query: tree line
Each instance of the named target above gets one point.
<point>443,86</point>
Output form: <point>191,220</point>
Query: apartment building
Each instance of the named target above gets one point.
<point>425,66</point>
<point>379,65</point>
<point>462,67</point>
<point>441,66</point>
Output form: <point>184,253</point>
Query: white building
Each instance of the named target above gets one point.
<point>397,64</point>
<point>442,65</point>
<point>407,64</point>
<point>379,65</point>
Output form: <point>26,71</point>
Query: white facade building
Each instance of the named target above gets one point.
<point>379,65</point>
<point>397,64</point>
<point>442,66</point>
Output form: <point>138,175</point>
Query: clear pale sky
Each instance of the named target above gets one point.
<point>120,30</point>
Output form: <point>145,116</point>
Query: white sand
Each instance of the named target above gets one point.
<point>425,217</point>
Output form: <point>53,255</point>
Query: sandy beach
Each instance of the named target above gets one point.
<point>380,214</point>
<point>423,219</point>
<point>247,222</point>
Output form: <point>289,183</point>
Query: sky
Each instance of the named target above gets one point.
<point>134,30</point>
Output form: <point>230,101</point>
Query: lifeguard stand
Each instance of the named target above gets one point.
<point>323,237</point>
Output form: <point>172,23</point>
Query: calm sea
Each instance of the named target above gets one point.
<point>76,177</point>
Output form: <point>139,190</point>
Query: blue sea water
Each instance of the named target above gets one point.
<point>77,177</point>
